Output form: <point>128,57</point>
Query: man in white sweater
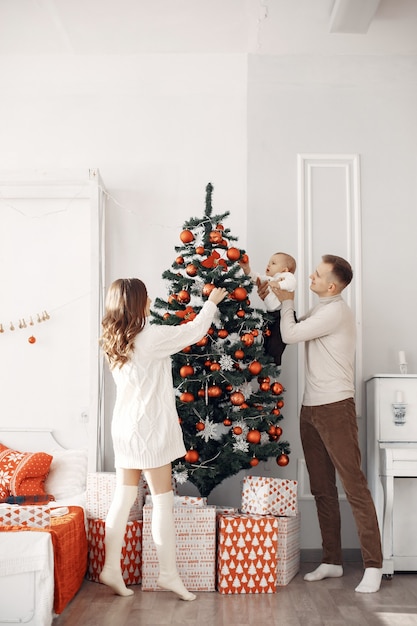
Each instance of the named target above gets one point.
<point>328,426</point>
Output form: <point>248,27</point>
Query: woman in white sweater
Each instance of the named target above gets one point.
<point>146,432</point>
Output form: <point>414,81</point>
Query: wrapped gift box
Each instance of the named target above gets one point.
<point>131,556</point>
<point>288,554</point>
<point>31,516</point>
<point>269,496</point>
<point>195,528</point>
<point>256,553</point>
<point>226,510</point>
<point>247,554</point>
<point>183,500</point>
<point>100,490</point>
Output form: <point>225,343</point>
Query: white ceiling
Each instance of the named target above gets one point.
<point>124,27</point>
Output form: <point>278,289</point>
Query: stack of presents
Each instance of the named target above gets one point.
<point>253,549</point>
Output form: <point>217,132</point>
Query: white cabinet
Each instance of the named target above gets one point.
<point>392,465</point>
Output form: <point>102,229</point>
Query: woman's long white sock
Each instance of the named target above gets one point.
<point>116,520</point>
<point>163,534</point>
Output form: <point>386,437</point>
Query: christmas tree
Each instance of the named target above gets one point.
<point>228,395</point>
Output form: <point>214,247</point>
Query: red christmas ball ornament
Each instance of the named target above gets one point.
<point>203,341</point>
<point>222,333</point>
<point>215,367</point>
<point>191,269</point>
<point>237,430</point>
<point>277,388</point>
<point>247,339</point>
<point>208,288</point>
<point>186,236</point>
<point>215,236</point>
<point>166,316</point>
<point>276,412</point>
<point>219,227</point>
<point>253,436</point>
<point>172,298</point>
<point>278,431</point>
<point>264,386</point>
<point>239,354</point>
<point>272,430</point>
<point>186,370</point>
<point>201,392</point>
<point>214,391</point>
<point>186,349</point>
<point>200,426</point>
<point>184,296</point>
<point>199,250</point>
<point>32,339</point>
<point>283,460</point>
<point>237,398</point>
<point>192,456</point>
<point>255,368</point>
<point>186,396</point>
<point>240,293</point>
<point>255,332</point>
<point>179,260</point>
<point>240,313</point>
<point>233,254</point>
<point>245,258</point>
<point>254,461</point>
<point>227,422</point>
<point>280,404</point>
<point>267,333</point>
<point>210,331</point>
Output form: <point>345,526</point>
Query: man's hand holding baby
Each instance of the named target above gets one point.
<point>281,294</point>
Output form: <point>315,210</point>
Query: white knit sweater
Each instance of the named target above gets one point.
<point>329,333</point>
<point>145,428</point>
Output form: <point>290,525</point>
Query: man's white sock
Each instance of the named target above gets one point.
<point>325,570</point>
<point>371,580</point>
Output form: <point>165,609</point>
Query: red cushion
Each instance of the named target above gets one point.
<point>23,473</point>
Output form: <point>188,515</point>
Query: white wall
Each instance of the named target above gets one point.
<point>340,105</point>
<point>159,127</point>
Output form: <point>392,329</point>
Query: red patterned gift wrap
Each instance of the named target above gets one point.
<point>256,553</point>
<point>131,557</point>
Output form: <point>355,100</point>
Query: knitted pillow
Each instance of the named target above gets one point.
<point>22,473</point>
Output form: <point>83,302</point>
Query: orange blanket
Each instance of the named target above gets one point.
<point>69,542</point>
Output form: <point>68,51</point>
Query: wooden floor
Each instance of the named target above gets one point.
<point>331,602</point>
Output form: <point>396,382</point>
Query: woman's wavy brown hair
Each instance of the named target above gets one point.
<point>124,318</point>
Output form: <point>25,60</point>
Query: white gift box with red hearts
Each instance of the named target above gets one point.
<point>264,495</point>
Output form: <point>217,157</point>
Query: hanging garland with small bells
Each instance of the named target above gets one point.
<point>40,317</point>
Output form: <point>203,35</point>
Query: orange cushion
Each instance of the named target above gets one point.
<point>22,473</point>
